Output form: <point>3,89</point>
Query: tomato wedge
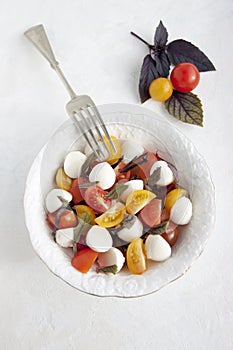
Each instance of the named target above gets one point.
<point>112,217</point>
<point>122,176</point>
<point>76,191</point>
<point>62,180</point>
<point>67,219</point>
<point>143,171</point>
<point>95,198</point>
<point>171,234</point>
<point>114,155</point>
<point>82,209</point>
<point>137,200</point>
<point>151,213</point>
<point>84,259</point>
<point>136,257</point>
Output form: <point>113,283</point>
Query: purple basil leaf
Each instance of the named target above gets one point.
<point>186,107</point>
<point>162,63</point>
<point>183,51</point>
<point>148,74</point>
<point>161,35</point>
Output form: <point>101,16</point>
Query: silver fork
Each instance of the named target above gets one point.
<point>81,109</point>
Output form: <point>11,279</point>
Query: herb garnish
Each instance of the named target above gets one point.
<point>154,177</point>
<point>183,106</point>
<point>108,269</point>
<point>156,230</point>
<point>117,190</point>
<point>136,161</point>
<point>85,221</point>
<point>86,165</point>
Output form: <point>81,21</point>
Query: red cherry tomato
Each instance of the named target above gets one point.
<point>84,259</point>
<point>151,213</point>
<point>77,193</point>
<point>67,219</point>
<point>171,234</point>
<point>95,198</point>
<point>143,171</point>
<point>121,176</point>
<point>185,77</point>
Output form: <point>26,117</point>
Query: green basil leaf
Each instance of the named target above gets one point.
<point>117,190</point>
<point>108,269</point>
<point>186,107</point>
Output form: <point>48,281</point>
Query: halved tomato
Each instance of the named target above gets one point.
<point>66,220</point>
<point>112,217</point>
<point>95,198</point>
<point>165,215</point>
<point>114,155</point>
<point>172,197</point>
<point>84,259</point>
<point>137,200</point>
<point>171,234</point>
<point>136,257</point>
<point>151,213</point>
<point>121,176</point>
<point>82,209</point>
<point>62,180</point>
<point>143,171</point>
<point>76,191</point>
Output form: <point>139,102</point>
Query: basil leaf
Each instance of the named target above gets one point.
<point>86,165</point>
<point>186,107</point>
<point>117,190</point>
<point>154,177</point>
<point>128,222</point>
<point>86,217</point>
<point>159,229</point>
<point>148,73</point>
<point>64,202</point>
<point>161,35</point>
<point>108,269</point>
<point>162,63</point>
<point>183,51</point>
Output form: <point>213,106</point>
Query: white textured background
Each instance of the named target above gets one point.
<point>91,39</point>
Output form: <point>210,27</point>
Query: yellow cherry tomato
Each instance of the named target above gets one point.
<point>62,180</point>
<point>112,217</point>
<point>114,155</point>
<point>160,89</point>
<point>136,257</point>
<point>137,200</point>
<point>172,197</point>
<point>82,209</point>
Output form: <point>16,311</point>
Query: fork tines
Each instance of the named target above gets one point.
<point>88,120</point>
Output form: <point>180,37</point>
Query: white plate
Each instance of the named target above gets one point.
<point>144,126</point>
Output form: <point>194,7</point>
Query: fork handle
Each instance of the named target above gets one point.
<point>39,39</point>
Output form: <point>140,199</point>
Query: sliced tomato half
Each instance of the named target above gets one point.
<point>143,171</point>
<point>95,198</point>
<point>151,213</point>
<point>84,259</point>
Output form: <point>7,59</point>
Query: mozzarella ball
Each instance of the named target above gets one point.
<point>181,211</point>
<point>73,164</point>
<point>52,201</point>
<point>104,174</point>
<point>133,185</point>
<point>65,237</point>
<point>129,234</point>
<point>131,149</point>
<point>166,175</point>
<point>112,257</point>
<point>99,239</point>
<point>157,248</point>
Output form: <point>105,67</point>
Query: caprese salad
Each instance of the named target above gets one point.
<point>124,210</point>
